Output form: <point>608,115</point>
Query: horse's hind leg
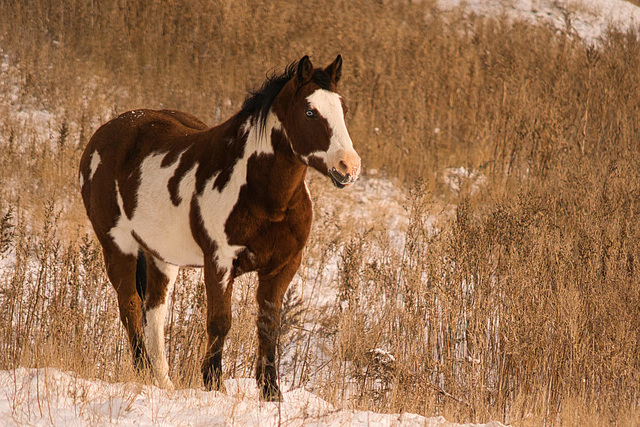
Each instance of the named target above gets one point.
<point>121,269</point>
<point>160,279</point>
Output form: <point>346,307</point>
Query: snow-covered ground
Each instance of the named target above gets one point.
<point>51,397</point>
<point>588,19</point>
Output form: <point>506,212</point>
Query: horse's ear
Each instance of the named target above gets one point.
<point>305,70</point>
<point>335,70</point>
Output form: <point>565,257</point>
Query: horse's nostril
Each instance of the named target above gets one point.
<point>342,166</point>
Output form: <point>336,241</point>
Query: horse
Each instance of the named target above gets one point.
<point>163,190</point>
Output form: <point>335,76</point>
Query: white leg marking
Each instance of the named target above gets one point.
<point>154,329</point>
<point>95,162</point>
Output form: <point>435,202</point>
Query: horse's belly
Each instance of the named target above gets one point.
<point>161,226</point>
<point>170,241</point>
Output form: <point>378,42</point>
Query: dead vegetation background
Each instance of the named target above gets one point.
<point>524,307</point>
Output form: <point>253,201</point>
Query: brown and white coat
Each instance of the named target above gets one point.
<point>162,186</point>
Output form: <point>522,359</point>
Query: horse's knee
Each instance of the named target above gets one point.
<point>268,323</point>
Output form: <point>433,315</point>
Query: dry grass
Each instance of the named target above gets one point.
<point>523,308</point>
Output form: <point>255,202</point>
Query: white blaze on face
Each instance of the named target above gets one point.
<point>340,154</point>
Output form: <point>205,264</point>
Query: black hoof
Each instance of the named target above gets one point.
<point>213,380</point>
<point>271,393</point>
<point>216,387</point>
<point>141,361</point>
<point>267,378</point>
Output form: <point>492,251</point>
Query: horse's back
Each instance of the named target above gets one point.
<point>139,132</point>
<point>186,119</point>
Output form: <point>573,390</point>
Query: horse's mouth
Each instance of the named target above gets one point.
<point>340,180</point>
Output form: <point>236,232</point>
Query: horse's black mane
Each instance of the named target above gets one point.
<point>259,102</point>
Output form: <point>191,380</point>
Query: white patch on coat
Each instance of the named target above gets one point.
<point>164,227</point>
<point>95,162</point>
<point>246,126</point>
<point>187,185</point>
<point>154,329</point>
<point>81,180</point>
<point>121,232</point>
<point>261,143</point>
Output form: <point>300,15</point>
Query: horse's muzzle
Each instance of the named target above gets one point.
<point>340,180</point>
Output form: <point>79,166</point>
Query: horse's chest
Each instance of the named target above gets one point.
<point>268,243</point>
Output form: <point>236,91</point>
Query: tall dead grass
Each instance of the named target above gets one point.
<point>522,308</point>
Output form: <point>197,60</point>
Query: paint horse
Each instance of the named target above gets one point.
<point>164,190</point>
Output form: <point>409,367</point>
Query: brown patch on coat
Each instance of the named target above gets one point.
<point>157,285</point>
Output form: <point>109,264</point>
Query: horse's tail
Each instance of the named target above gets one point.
<point>141,274</point>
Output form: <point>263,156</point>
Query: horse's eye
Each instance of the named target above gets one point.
<point>311,113</point>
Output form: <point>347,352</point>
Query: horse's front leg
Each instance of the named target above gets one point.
<point>219,286</point>
<point>271,289</point>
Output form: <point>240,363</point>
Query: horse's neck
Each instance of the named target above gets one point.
<point>276,178</point>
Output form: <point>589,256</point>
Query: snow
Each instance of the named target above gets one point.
<point>454,177</point>
<point>11,95</point>
<point>47,396</point>
<point>589,19</point>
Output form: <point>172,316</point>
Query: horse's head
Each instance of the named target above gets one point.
<point>312,114</point>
